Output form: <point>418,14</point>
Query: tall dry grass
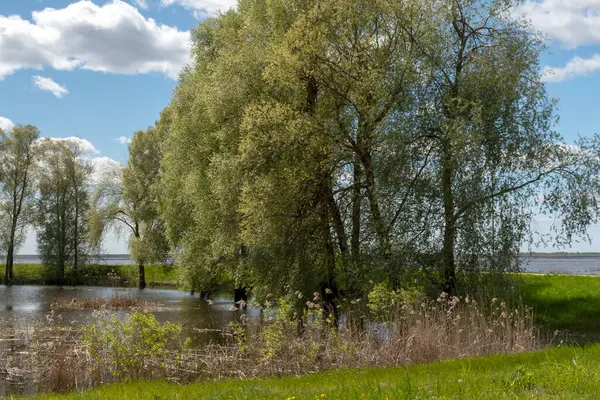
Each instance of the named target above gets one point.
<point>415,332</point>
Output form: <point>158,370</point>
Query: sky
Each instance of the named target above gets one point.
<point>100,70</point>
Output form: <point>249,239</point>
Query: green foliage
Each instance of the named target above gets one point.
<point>62,207</point>
<point>127,198</point>
<point>322,144</point>
<point>136,347</point>
<point>17,171</point>
<point>384,301</point>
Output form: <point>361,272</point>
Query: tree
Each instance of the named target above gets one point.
<point>486,115</point>
<point>63,205</point>
<point>127,197</point>
<point>19,155</point>
<point>324,145</point>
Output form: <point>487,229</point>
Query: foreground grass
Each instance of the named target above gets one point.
<point>563,301</point>
<point>560,373</point>
<point>98,274</point>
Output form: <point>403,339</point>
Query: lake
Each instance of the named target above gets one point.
<point>575,265</point>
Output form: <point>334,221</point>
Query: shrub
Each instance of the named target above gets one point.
<point>135,347</point>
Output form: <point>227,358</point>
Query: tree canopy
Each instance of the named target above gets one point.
<point>322,145</point>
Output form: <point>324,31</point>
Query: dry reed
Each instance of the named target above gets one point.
<point>413,333</point>
<point>115,302</point>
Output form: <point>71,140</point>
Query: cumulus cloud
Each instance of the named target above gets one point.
<point>207,6</point>
<point>48,85</point>
<point>143,4</point>
<point>87,148</point>
<point>111,38</point>
<point>576,67</point>
<point>570,22</point>
<point>90,153</point>
<point>100,166</point>
<point>6,124</point>
<point>123,140</point>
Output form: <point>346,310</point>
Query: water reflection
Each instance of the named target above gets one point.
<point>25,308</point>
<point>22,307</point>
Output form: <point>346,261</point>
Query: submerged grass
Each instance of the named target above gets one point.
<point>559,373</point>
<point>115,302</point>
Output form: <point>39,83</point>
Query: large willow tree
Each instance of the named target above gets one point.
<point>322,145</point>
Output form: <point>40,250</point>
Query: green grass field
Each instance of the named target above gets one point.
<point>560,373</point>
<point>96,274</point>
<point>564,302</point>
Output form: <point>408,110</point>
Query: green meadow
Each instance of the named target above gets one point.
<point>97,275</point>
<point>559,373</point>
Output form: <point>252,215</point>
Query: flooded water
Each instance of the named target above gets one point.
<point>22,307</point>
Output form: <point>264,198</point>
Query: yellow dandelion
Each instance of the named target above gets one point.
<point>323,395</point>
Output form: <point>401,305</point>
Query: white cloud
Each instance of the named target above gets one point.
<point>208,6</point>
<point>143,4</point>
<point>576,67</point>
<point>6,124</point>
<point>572,22</point>
<point>48,85</point>
<point>89,151</point>
<point>123,140</point>
<point>112,38</point>
<point>100,165</point>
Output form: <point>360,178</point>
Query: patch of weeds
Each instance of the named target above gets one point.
<point>520,380</point>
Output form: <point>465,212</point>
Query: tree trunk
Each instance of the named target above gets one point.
<point>240,297</point>
<point>329,290</point>
<point>448,257</point>
<point>379,224</point>
<point>10,261</point>
<point>356,203</point>
<point>142,277</point>
<point>8,270</point>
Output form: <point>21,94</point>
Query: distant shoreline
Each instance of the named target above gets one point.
<point>523,255</point>
<point>560,255</point>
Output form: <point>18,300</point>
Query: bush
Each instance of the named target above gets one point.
<point>136,347</point>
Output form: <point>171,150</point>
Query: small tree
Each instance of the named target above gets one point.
<point>16,191</point>
<point>126,198</point>
<point>63,206</point>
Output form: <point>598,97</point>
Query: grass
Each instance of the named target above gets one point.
<point>564,302</point>
<point>98,274</point>
<point>559,373</point>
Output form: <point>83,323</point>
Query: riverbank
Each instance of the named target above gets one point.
<point>559,373</point>
<point>98,275</point>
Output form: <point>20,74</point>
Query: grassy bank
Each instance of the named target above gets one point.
<point>560,373</point>
<point>97,275</point>
<point>563,301</point>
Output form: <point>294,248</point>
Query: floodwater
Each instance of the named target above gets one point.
<point>22,307</point>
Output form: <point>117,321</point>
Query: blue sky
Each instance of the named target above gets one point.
<point>102,69</point>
